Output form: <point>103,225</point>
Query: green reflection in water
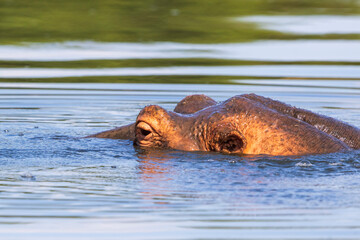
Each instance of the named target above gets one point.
<point>155,20</point>
<point>170,79</point>
<point>142,79</point>
<point>201,21</point>
<point>158,63</point>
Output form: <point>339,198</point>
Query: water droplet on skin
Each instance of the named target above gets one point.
<point>336,164</point>
<point>304,163</point>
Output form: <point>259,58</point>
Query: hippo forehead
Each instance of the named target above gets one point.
<point>232,108</point>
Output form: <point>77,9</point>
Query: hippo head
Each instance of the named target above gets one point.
<point>244,124</point>
<point>193,126</point>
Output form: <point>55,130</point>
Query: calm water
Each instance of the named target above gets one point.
<point>54,181</point>
<point>73,68</point>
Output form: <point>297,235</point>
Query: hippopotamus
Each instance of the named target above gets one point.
<point>243,124</point>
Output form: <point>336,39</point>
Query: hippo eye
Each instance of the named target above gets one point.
<point>145,132</point>
<point>146,136</point>
<point>143,129</point>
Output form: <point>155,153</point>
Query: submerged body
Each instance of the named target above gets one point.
<point>244,124</point>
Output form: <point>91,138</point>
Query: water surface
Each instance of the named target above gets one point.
<point>54,181</point>
<point>313,24</point>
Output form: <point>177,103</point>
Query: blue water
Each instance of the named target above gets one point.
<point>54,184</point>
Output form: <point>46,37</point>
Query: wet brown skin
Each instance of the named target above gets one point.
<point>244,124</point>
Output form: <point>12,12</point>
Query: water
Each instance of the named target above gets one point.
<point>73,68</point>
<point>54,181</point>
<point>314,24</point>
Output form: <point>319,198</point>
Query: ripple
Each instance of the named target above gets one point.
<point>95,187</point>
<point>308,24</point>
<point>299,71</point>
<point>304,163</point>
<point>280,50</point>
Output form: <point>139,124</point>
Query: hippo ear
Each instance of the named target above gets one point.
<point>228,142</point>
<point>193,103</point>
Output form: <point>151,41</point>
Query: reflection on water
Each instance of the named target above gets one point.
<point>221,62</point>
<point>305,50</point>
<point>200,21</point>
<point>313,24</point>
<point>252,71</point>
<point>103,188</point>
